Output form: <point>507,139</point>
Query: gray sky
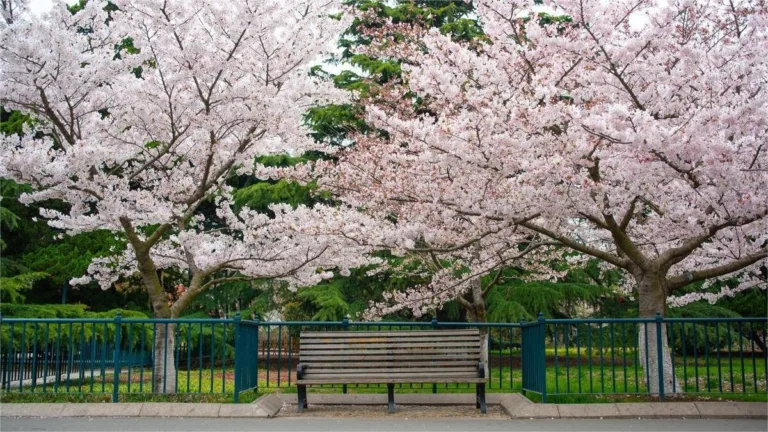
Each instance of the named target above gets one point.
<point>39,6</point>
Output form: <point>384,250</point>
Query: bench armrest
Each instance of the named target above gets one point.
<point>480,369</point>
<point>300,369</point>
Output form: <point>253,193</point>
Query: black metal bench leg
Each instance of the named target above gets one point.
<point>302,398</point>
<point>391,398</point>
<point>477,396</point>
<point>481,397</point>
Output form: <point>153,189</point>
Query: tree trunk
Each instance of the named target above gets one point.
<point>477,313</point>
<point>164,361</point>
<point>164,365</point>
<point>653,299</point>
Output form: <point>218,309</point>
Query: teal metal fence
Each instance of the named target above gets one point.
<point>610,356</point>
<point>552,358</point>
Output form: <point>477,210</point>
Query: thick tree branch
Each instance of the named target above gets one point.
<point>680,281</point>
<point>580,247</point>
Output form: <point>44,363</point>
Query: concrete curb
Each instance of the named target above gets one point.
<point>515,405</point>
<point>265,406</point>
<point>519,407</point>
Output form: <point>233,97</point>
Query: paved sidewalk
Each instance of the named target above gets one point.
<point>515,405</point>
<point>518,406</point>
<point>265,406</point>
<point>363,424</point>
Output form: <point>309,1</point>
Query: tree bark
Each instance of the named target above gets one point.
<point>477,313</point>
<point>653,299</point>
<point>163,364</point>
<point>164,381</point>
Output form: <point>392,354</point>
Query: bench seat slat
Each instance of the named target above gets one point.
<point>392,351</point>
<point>392,380</point>
<point>390,333</point>
<point>362,371</point>
<point>365,340</point>
<point>385,375</point>
<point>386,364</point>
<point>394,357</point>
<point>392,345</point>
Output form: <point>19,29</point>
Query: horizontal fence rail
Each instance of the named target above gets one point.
<point>123,358</point>
<point>612,356</point>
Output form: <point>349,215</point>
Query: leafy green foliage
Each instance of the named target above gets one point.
<point>335,123</point>
<point>12,122</point>
<point>702,337</point>
<point>62,333</point>
<point>259,196</point>
<point>329,301</point>
<point>71,256</point>
<point>515,301</point>
<point>11,288</point>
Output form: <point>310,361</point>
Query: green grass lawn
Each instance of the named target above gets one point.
<point>580,379</point>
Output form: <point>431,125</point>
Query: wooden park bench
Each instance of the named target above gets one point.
<point>391,357</point>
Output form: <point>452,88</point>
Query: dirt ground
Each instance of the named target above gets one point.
<point>401,411</point>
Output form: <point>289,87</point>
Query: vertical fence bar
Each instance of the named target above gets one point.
<point>93,355</point>
<point>589,356</point>
<point>238,356</point>
<point>23,357</point>
<point>189,352</point>
<point>46,360</point>
<point>269,348</point>
<point>345,327</point>
<point>741,357</point>
<point>717,352</point>
<point>730,352</point>
<point>80,355</point>
<point>660,355</point>
<point>116,363</point>
<point>647,363</point>
<point>131,355</point>
<point>224,357</point>
<point>624,353</point>
<point>671,341</point>
<point>602,359</point>
<point>578,357</point>
<point>290,351</point>
<point>141,372</point>
<point>706,354</point>
<point>567,336</point>
<point>542,357</point>
<point>34,359</point>
<point>213,354</point>
<point>554,340</point>
<point>613,356</point>
<point>104,359</point>
<point>684,387</point>
<point>200,362</point>
<point>695,355</point>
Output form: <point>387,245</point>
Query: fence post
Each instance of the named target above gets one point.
<point>523,369</point>
<point>345,327</point>
<point>116,358</point>
<point>660,354</point>
<point>257,318</point>
<point>238,356</point>
<point>543,358</point>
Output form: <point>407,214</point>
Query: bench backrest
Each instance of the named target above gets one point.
<point>396,354</point>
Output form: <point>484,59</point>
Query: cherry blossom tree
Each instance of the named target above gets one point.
<point>145,109</point>
<point>630,131</point>
<point>10,9</point>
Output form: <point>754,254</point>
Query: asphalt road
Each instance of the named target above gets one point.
<point>362,424</point>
